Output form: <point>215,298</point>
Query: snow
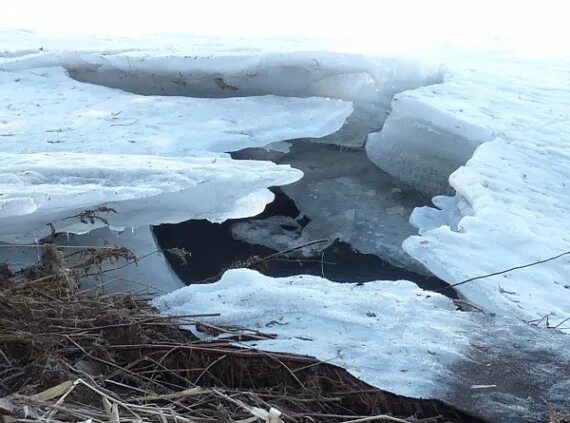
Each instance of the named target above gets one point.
<point>377,331</point>
<point>512,195</point>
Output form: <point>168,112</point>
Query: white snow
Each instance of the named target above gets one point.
<point>377,331</point>
<point>512,198</point>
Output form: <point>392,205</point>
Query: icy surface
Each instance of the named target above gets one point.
<point>510,207</point>
<point>46,188</point>
<point>200,67</point>
<point>512,202</point>
<point>377,331</point>
<point>279,233</point>
<point>45,110</point>
<point>422,145</point>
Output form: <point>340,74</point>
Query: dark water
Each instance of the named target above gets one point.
<point>214,249</point>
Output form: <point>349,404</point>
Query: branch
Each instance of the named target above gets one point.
<point>506,271</point>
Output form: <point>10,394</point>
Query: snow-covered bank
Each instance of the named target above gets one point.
<point>395,336</point>
<point>512,198</point>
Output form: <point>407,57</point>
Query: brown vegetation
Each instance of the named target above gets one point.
<point>73,355</point>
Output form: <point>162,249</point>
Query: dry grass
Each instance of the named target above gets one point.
<point>70,355</point>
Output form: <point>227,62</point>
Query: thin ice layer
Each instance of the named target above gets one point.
<point>45,110</point>
<point>512,204</point>
<point>377,331</point>
<point>345,197</point>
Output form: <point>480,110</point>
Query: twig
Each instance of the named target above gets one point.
<point>561,323</point>
<point>85,247</point>
<point>378,417</point>
<point>212,364</point>
<point>185,393</point>
<point>298,247</point>
<point>505,271</point>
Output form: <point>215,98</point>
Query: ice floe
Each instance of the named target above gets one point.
<point>511,207</point>
<point>199,67</point>
<point>377,331</point>
<point>46,110</point>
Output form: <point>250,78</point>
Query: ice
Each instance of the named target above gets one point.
<point>68,145</point>
<point>145,190</point>
<point>151,274</point>
<point>368,84</point>
<point>280,233</point>
<point>421,144</point>
<point>377,331</point>
<point>198,67</point>
<point>112,127</point>
<point>46,110</point>
<point>512,195</point>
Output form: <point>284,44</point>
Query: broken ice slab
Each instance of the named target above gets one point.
<point>511,207</point>
<point>46,110</point>
<point>46,188</point>
<point>198,67</point>
<point>421,144</point>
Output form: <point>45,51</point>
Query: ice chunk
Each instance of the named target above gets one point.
<point>277,232</point>
<point>43,188</point>
<point>46,188</point>
<point>512,204</point>
<point>377,331</point>
<point>421,144</point>
<point>48,111</point>
<point>368,84</point>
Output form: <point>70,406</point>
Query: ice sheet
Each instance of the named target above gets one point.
<point>512,195</point>
<point>377,331</point>
<point>45,110</point>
